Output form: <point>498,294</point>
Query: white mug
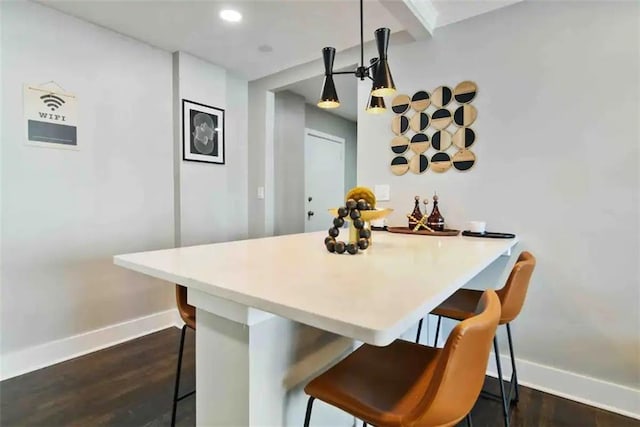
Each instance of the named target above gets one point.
<point>477,226</point>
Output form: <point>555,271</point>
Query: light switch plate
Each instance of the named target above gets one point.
<point>382,192</point>
<point>260,192</point>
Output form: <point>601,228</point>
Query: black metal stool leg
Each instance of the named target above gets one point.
<point>514,372</point>
<point>177,386</point>
<point>469,422</point>
<point>307,416</point>
<point>419,331</point>
<point>435,341</point>
<point>505,410</point>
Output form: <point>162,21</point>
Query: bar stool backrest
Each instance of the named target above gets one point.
<point>514,292</point>
<point>460,370</point>
<point>187,312</point>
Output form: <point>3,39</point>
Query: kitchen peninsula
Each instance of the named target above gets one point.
<point>253,297</point>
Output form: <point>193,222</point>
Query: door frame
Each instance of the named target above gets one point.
<point>330,138</point>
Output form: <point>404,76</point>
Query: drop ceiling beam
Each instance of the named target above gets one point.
<point>419,17</point>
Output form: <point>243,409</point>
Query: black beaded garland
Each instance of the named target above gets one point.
<point>352,210</point>
<point>352,248</point>
<point>362,244</point>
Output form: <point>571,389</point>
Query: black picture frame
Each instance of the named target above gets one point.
<point>203,125</point>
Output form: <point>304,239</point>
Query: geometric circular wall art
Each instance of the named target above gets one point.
<point>418,164</point>
<point>434,113</point>
<point>441,140</point>
<point>399,124</point>
<point>400,104</point>
<point>464,137</point>
<point>419,143</point>
<point>441,96</point>
<point>419,122</point>
<point>465,115</point>
<point>463,160</point>
<point>441,118</point>
<point>465,92</point>
<point>440,162</point>
<point>420,100</point>
<point>399,165</point>
<point>399,144</point>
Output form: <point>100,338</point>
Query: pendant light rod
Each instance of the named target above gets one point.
<point>382,81</point>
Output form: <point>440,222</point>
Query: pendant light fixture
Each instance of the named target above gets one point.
<point>375,105</point>
<point>380,73</point>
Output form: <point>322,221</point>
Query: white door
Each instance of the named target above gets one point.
<point>324,178</point>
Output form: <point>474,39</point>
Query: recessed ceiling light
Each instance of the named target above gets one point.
<point>230,15</point>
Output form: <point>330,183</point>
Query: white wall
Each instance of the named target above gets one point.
<point>65,213</point>
<point>318,119</point>
<point>213,198</point>
<point>558,160</point>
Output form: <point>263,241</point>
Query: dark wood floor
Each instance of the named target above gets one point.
<point>131,385</point>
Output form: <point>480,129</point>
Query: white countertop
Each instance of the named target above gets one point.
<point>374,296</point>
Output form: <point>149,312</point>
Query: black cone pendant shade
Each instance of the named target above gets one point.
<point>376,103</point>
<point>328,96</point>
<point>382,81</point>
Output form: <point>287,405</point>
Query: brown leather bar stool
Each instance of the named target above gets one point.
<point>188,315</point>
<point>407,384</point>
<point>461,305</point>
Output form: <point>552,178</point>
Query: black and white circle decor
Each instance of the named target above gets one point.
<point>418,164</point>
<point>420,100</point>
<point>399,165</point>
<point>351,210</point>
<point>439,120</point>
<point>399,144</point>
<point>464,137</point>
<point>441,140</point>
<point>419,143</point>
<point>400,104</point>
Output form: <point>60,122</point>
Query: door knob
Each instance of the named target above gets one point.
<point>310,214</point>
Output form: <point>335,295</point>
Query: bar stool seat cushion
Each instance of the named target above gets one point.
<point>379,385</point>
<point>461,305</point>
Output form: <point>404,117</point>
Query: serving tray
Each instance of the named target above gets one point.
<point>407,230</point>
<point>489,235</point>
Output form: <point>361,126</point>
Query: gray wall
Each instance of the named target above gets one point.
<point>289,163</point>
<point>66,213</point>
<point>212,198</point>
<point>337,126</point>
<point>291,117</point>
<point>557,162</point>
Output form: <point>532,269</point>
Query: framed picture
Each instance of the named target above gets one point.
<point>202,133</point>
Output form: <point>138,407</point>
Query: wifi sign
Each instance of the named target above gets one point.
<point>52,101</point>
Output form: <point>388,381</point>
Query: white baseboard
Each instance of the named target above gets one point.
<point>40,356</point>
<point>590,391</point>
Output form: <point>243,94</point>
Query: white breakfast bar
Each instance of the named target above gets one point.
<point>263,306</point>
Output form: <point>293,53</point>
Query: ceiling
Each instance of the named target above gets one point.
<point>295,30</point>
<point>273,35</point>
